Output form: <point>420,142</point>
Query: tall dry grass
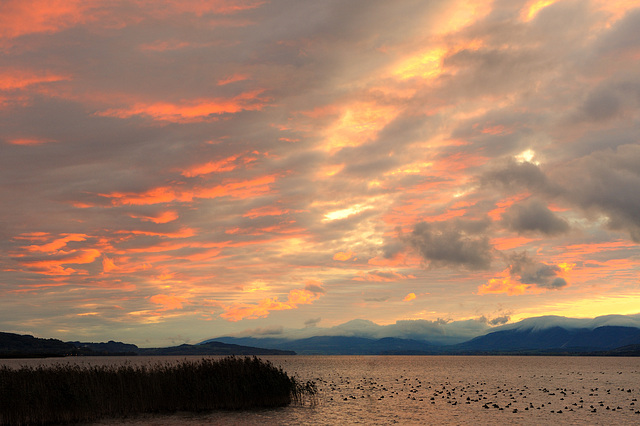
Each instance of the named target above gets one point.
<point>71,393</point>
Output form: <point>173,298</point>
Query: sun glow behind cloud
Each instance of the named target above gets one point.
<point>185,164</point>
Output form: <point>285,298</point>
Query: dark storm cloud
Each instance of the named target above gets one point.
<point>530,271</point>
<point>615,99</point>
<point>452,244</point>
<point>533,216</point>
<point>607,181</point>
<point>516,176</point>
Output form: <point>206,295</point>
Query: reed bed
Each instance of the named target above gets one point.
<point>64,393</point>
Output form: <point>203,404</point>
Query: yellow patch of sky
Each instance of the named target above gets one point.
<point>463,13</point>
<point>256,286</point>
<point>330,170</point>
<point>526,156</point>
<point>374,183</point>
<point>358,123</point>
<point>293,245</point>
<point>531,10</point>
<point>345,213</point>
<point>428,63</point>
<point>411,168</point>
<point>425,65</point>
<point>409,297</point>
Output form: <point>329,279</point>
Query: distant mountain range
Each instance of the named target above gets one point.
<point>613,335</point>
<point>541,335</point>
<point>554,340</point>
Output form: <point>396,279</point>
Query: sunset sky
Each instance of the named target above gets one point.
<point>172,171</point>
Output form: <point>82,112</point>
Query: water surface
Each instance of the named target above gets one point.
<point>462,390</point>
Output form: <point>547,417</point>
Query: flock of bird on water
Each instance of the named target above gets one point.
<point>490,397</point>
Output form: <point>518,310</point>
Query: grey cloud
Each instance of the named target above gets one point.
<point>312,322</point>
<point>529,271</point>
<point>499,320</point>
<point>534,216</point>
<point>612,100</point>
<point>315,288</point>
<point>272,330</point>
<point>376,299</point>
<point>495,70</point>
<point>622,36</point>
<point>515,176</point>
<point>455,243</point>
<point>606,181</point>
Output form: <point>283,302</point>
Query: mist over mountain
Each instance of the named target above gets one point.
<point>546,333</point>
<point>440,332</point>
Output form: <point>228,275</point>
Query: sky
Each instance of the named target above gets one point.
<point>172,171</point>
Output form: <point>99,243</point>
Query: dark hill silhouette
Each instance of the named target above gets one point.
<point>579,340</point>
<point>340,345</point>
<point>213,348</point>
<point>26,346</point>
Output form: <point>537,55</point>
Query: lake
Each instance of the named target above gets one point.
<point>460,390</point>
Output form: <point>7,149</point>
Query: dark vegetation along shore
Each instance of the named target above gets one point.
<point>62,393</point>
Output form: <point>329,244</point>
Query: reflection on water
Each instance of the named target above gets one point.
<point>434,390</point>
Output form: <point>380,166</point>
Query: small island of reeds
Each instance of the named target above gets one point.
<point>67,393</point>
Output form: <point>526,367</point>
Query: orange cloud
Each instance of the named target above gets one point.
<point>509,243</point>
<point>342,256</point>
<point>509,283</point>
<point>409,297</point>
<point>158,195</point>
<point>232,79</point>
<point>107,264</point>
<point>169,8</point>
<point>225,165</point>
<point>262,309</point>
<point>33,236</point>
<point>20,17</point>
<point>580,250</point>
<point>165,45</point>
<point>458,162</point>
<point>55,265</point>
<point>358,123</point>
<point>505,284</point>
<point>381,276</point>
<point>163,217</point>
<point>167,194</point>
<point>29,141</point>
<point>14,79</point>
<point>182,233</point>
<point>265,211</point>
<point>399,259</point>
<point>502,206</point>
<point>57,244</point>
<point>168,303</point>
<point>193,110</point>
<point>241,189</point>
